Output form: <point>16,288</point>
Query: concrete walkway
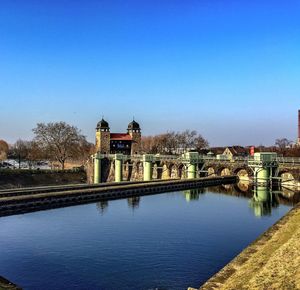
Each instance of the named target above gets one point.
<point>271,262</point>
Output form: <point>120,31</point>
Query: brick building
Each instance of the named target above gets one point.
<point>111,143</point>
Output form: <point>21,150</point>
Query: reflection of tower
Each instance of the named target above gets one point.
<point>102,206</point>
<point>103,137</point>
<point>263,201</point>
<point>134,131</point>
<point>133,202</point>
<point>193,194</point>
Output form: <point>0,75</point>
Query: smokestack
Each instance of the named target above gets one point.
<point>298,127</point>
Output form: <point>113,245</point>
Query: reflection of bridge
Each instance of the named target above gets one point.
<point>262,199</point>
<point>262,167</point>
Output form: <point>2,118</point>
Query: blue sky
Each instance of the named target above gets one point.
<point>228,69</point>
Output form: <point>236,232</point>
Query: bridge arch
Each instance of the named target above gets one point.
<point>244,173</point>
<point>127,170</point>
<point>211,171</point>
<point>106,165</point>
<point>287,177</point>
<point>223,171</point>
<point>155,171</point>
<point>165,174</point>
<point>137,171</point>
<point>181,171</point>
<point>173,170</point>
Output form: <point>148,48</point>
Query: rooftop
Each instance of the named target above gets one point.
<point>120,136</point>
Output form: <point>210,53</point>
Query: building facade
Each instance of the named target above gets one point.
<point>125,143</point>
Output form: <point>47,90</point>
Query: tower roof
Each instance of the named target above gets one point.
<point>102,124</point>
<point>120,137</point>
<point>133,125</point>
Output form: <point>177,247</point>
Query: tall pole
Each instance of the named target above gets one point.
<point>298,141</point>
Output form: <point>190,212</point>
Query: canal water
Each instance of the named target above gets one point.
<point>165,241</point>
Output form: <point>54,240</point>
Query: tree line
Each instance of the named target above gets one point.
<point>52,142</point>
<point>174,142</point>
<point>61,142</point>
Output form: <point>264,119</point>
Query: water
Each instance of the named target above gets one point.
<point>166,241</point>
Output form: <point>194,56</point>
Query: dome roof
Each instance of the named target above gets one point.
<point>134,125</point>
<point>102,124</point>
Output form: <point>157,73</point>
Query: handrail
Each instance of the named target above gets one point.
<point>201,158</point>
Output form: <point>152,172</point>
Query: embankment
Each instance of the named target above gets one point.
<point>32,201</point>
<point>27,178</point>
<point>7,285</point>
<point>271,262</point>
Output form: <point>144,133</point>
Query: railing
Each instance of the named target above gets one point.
<point>203,158</point>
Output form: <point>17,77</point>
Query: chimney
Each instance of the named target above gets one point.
<point>298,141</point>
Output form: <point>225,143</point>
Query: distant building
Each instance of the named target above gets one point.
<point>236,151</point>
<point>229,152</point>
<point>214,151</point>
<point>111,143</point>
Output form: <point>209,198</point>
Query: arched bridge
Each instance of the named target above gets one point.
<point>262,166</point>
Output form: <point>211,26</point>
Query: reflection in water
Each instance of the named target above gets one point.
<point>263,201</point>
<point>134,202</point>
<point>193,194</point>
<point>290,195</point>
<point>102,206</point>
<point>169,244</point>
<point>227,186</point>
<point>238,189</point>
<point>243,185</point>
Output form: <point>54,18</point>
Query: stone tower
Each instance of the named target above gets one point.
<point>134,131</point>
<point>103,137</point>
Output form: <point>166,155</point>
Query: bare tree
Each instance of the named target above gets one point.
<point>20,150</point>
<point>173,143</point>
<point>35,153</point>
<point>147,144</point>
<point>283,145</point>
<point>200,143</point>
<point>83,150</point>
<point>3,150</point>
<point>293,152</point>
<point>59,140</point>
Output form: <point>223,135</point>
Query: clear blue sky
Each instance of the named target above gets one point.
<point>228,69</point>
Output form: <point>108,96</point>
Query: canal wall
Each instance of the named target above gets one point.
<point>270,262</point>
<point>31,202</point>
<point>24,178</point>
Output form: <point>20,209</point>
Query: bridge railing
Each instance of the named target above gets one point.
<point>202,158</point>
<point>289,160</point>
